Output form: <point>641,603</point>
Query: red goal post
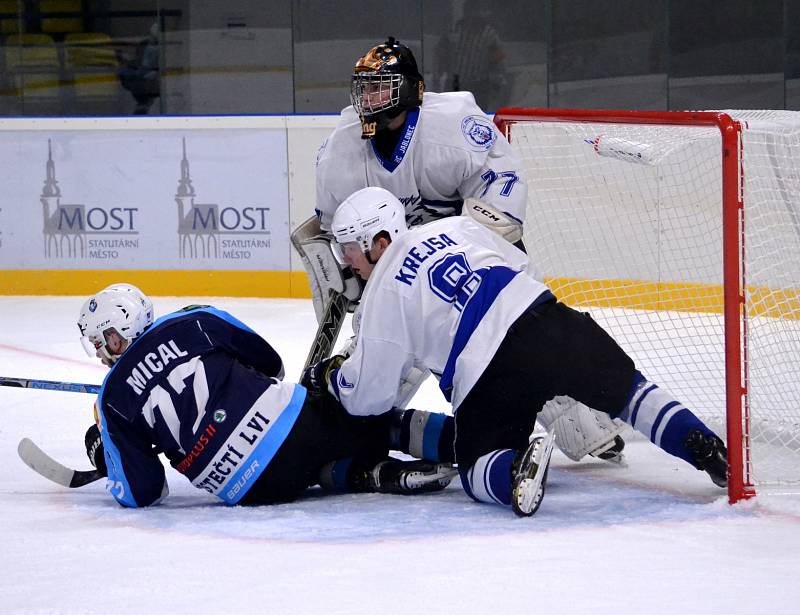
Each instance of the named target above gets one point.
<point>648,220</point>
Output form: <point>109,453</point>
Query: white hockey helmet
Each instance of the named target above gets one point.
<point>362,216</point>
<point>147,304</point>
<point>121,311</point>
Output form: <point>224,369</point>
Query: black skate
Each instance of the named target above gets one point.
<point>709,454</point>
<point>410,477</point>
<point>529,474</point>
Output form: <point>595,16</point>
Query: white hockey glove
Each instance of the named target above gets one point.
<point>582,431</point>
<point>324,272</point>
<point>493,219</point>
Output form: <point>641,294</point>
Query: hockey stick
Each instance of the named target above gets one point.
<point>49,385</point>
<point>328,330</point>
<point>41,463</point>
<point>34,457</point>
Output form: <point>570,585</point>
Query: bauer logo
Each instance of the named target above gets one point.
<point>81,231</point>
<point>209,230</point>
<point>478,132</point>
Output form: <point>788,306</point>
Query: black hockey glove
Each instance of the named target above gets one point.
<point>95,450</point>
<point>317,377</point>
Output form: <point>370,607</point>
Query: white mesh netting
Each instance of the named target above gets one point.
<point>625,221</point>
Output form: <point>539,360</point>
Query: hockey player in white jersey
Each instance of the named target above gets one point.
<point>454,298</point>
<point>441,156</point>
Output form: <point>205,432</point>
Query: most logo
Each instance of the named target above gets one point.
<point>208,230</point>
<point>72,230</point>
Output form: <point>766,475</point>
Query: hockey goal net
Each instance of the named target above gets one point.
<point>680,233</point>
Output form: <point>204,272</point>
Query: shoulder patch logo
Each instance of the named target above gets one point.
<point>478,132</point>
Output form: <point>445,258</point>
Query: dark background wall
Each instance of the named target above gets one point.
<point>121,57</point>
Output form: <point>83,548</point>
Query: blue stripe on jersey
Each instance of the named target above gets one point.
<point>431,435</point>
<point>403,143</point>
<point>116,474</point>
<point>493,281</point>
<point>266,449</point>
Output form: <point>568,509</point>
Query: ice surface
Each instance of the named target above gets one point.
<point>655,536</point>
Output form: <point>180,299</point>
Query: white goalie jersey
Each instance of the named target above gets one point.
<point>449,150</point>
<point>441,297</point>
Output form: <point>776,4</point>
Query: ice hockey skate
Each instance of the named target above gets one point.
<point>530,475</point>
<point>709,454</point>
<point>410,477</point>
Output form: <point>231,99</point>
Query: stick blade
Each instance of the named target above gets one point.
<point>41,463</point>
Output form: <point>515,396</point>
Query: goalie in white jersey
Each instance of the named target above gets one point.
<point>457,299</point>
<point>431,150</point>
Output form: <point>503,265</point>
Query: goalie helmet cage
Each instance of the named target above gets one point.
<point>680,233</point>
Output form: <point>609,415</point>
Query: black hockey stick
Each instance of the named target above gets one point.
<point>328,330</point>
<point>49,385</point>
<point>42,463</point>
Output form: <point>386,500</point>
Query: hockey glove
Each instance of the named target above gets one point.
<point>317,377</point>
<point>95,450</point>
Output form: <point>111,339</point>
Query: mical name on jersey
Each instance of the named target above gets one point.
<point>153,363</point>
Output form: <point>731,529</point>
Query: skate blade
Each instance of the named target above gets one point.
<point>529,492</point>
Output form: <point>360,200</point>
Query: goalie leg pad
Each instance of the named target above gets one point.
<point>581,431</point>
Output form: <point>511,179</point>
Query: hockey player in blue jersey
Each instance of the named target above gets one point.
<point>455,298</point>
<point>205,390</point>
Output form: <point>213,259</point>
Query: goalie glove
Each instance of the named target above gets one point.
<point>95,450</point>
<point>493,219</point>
